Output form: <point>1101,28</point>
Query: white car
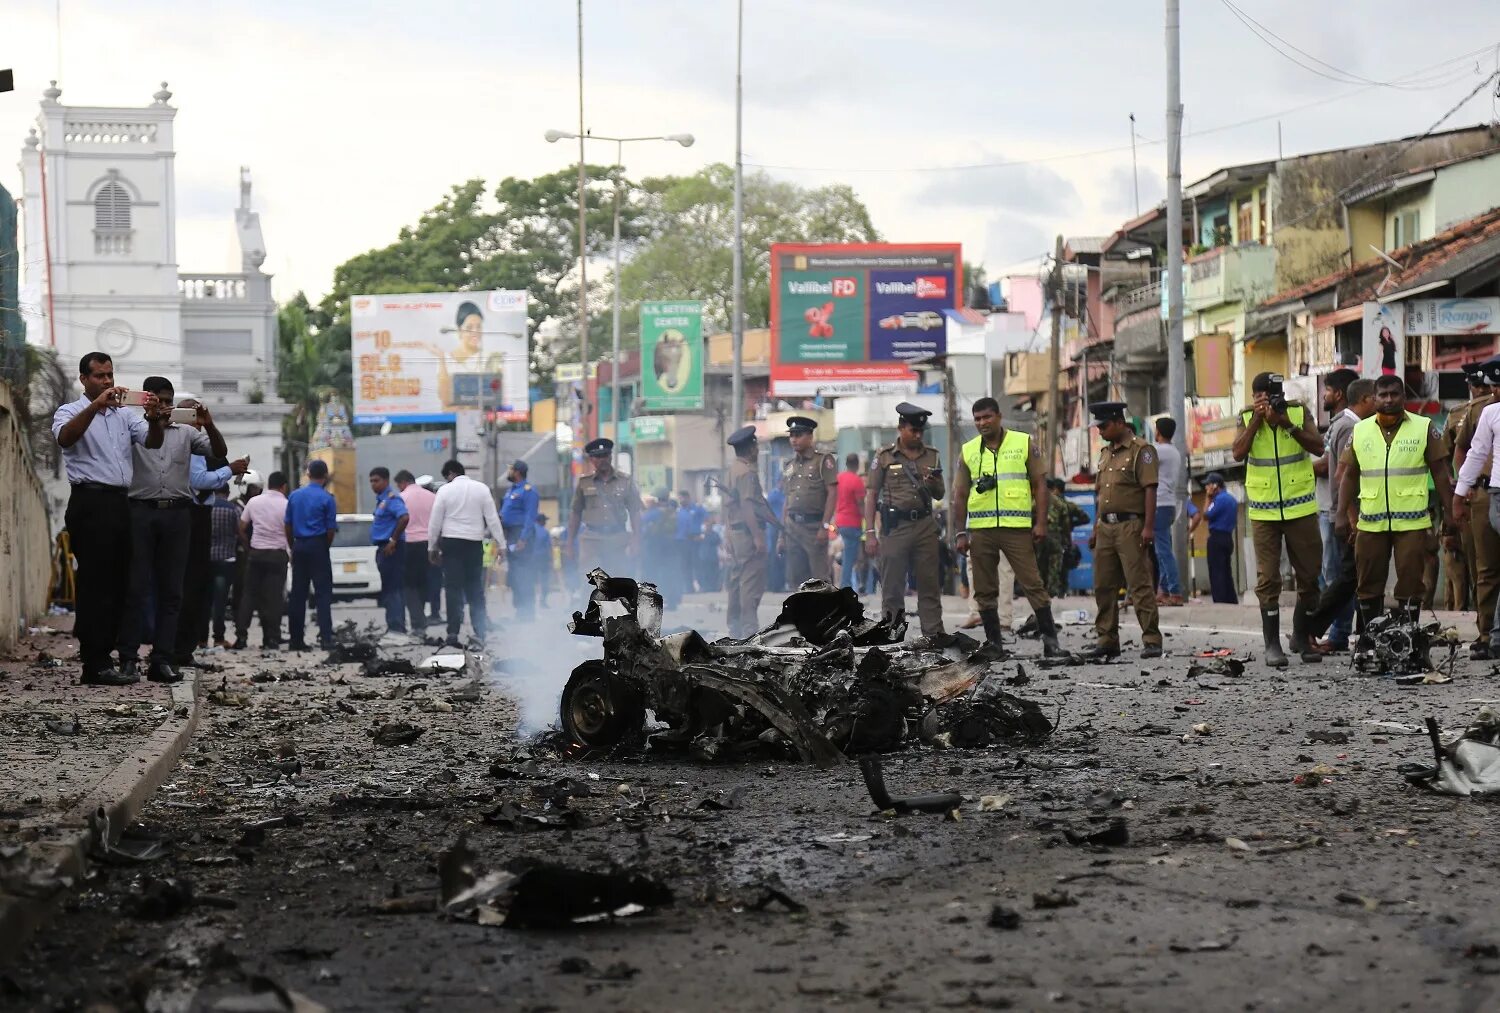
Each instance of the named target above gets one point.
<point>355,574</point>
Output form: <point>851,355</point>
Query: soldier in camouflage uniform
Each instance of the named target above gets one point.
<point>1057,549</point>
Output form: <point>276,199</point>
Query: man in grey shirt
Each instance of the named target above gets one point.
<point>160,526</point>
<point>1336,604</point>
<point>1168,475</point>
<point>1340,429</point>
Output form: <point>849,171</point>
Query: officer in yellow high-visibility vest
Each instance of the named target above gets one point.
<point>1277,440</point>
<point>1000,508</point>
<point>1386,467</point>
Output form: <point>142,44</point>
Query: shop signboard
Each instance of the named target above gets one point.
<point>847,318</point>
<point>672,355</point>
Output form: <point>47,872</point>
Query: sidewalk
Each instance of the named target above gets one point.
<point>73,759</point>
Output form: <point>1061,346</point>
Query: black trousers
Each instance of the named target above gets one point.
<point>264,591</point>
<point>1337,595</point>
<point>98,523</point>
<point>159,556</point>
<point>463,580</point>
<point>197,585</point>
<point>1221,568</point>
<point>416,583</point>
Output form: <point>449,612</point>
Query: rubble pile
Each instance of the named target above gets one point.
<point>821,681</point>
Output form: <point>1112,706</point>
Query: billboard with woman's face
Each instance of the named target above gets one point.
<point>1383,351</point>
<point>419,357</point>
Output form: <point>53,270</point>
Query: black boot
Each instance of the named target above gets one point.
<point>1270,627</point>
<point>1369,611</point>
<point>1300,642</point>
<point>1048,627</point>
<point>991,620</point>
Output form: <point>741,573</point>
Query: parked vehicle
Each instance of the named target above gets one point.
<point>355,574</point>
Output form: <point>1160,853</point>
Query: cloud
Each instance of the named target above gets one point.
<point>1009,240</point>
<point>1031,188</point>
<point>1118,190</point>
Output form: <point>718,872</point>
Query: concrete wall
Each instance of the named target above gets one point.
<point>1464,191</point>
<point>25,539</point>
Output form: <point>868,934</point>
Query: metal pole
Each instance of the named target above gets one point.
<point>1054,420</point>
<point>1176,356</point>
<point>583,258</point>
<point>1135,173</point>
<point>614,367</point>
<point>737,323</point>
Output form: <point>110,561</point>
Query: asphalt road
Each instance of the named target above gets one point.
<point>1274,860</point>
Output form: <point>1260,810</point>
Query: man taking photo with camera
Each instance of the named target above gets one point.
<point>1277,440</point>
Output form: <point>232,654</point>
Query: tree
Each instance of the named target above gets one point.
<point>688,248</point>
<point>313,361</point>
<point>527,239</point>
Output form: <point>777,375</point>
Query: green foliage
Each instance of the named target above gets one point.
<point>688,221</point>
<point>313,360</point>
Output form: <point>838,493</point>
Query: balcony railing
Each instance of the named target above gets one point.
<point>1137,298</point>
<point>212,286</point>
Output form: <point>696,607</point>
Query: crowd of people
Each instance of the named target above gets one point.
<point>167,556</point>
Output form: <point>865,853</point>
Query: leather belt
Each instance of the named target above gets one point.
<point>890,513</point>
<point>99,487</point>
<point>1119,518</point>
<point>164,504</point>
<point>800,517</point>
<point>603,529</point>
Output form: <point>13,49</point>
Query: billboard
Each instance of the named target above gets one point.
<point>421,357</point>
<point>845,318</point>
<point>672,355</point>
<point>1453,316</point>
<point>1383,350</point>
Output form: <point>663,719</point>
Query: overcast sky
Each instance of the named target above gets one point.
<point>356,116</point>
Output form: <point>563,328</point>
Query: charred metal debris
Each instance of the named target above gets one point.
<point>821,681</point>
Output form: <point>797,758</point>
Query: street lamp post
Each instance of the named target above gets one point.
<point>686,140</point>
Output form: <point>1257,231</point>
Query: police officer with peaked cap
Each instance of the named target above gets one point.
<point>604,526</point>
<point>905,478</point>
<point>810,480</point>
<point>1122,539</point>
<point>1484,543</point>
<point>746,513</point>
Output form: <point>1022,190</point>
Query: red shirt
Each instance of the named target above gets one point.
<point>850,511</point>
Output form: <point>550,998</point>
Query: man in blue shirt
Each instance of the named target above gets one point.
<point>311,522</point>
<point>1222,513</point>
<point>518,514</point>
<point>197,595</point>
<point>690,518</point>
<point>775,561</point>
<point>388,533</point>
<point>541,549</point>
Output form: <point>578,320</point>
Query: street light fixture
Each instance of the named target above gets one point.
<point>552,137</point>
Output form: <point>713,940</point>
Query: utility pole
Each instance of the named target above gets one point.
<point>737,324</point>
<point>1176,355</point>
<point>583,256</point>
<point>1135,172</point>
<point>614,363</point>
<point>1054,419</point>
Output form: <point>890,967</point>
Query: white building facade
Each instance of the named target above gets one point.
<point>101,272</point>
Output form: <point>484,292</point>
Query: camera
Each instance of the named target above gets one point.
<point>1276,393</point>
<point>985,483</point>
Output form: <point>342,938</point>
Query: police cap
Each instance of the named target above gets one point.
<point>1489,370</point>
<point>1107,411</point>
<point>800,424</point>
<point>1214,478</point>
<point>742,437</point>
<point>913,415</point>
<point>599,448</point>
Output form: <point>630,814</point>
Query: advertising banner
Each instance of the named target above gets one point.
<point>1383,351</point>
<point>672,355</point>
<point>845,318</point>
<point>1453,316</point>
<point>422,357</point>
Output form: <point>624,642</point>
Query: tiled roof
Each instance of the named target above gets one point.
<point>1087,245</point>
<point>1439,259</point>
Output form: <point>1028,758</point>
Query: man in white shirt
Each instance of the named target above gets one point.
<point>1483,450</point>
<point>463,511</point>
<point>264,524</point>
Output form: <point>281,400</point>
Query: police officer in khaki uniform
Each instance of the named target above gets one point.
<point>1122,538</point>
<point>604,526</point>
<point>809,480</point>
<point>1277,439</point>
<point>1459,543</point>
<point>905,478</point>
<point>746,514</point>
<point>1000,498</point>
<point>1483,549</point>
<point>1384,498</point>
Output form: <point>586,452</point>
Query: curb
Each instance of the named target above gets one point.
<point>61,850</point>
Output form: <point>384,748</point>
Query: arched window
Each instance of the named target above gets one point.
<point>112,208</point>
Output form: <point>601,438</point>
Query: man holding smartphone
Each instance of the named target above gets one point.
<point>160,497</point>
<point>96,437</point>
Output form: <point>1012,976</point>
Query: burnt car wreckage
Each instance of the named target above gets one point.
<point>822,681</point>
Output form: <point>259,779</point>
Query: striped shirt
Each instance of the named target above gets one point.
<point>224,529</point>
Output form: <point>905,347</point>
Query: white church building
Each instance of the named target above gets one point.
<point>99,210</point>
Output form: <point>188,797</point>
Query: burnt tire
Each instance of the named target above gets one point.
<point>598,709</point>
